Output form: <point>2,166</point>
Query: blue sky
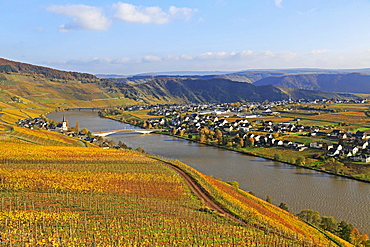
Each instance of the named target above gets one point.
<point>130,37</point>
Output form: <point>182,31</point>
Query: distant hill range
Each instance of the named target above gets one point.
<point>216,90</point>
<point>178,87</point>
<point>286,77</point>
<point>351,82</point>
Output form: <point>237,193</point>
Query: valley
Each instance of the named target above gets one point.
<point>63,190</point>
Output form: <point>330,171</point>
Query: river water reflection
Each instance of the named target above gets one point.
<point>298,188</point>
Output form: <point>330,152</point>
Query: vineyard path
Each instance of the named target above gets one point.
<point>200,192</point>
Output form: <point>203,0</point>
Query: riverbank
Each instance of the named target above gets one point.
<point>297,187</point>
<point>253,151</point>
<point>246,152</point>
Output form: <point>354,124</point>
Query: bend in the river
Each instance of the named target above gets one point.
<point>299,188</point>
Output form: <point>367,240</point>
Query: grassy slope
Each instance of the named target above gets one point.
<point>53,93</point>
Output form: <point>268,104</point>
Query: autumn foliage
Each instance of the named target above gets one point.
<point>78,196</point>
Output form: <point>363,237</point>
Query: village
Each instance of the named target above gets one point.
<point>230,125</point>
<point>214,120</point>
<point>64,128</point>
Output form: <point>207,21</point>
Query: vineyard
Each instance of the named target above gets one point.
<point>78,196</point>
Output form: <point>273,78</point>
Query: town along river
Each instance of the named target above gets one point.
<point>299,188</point>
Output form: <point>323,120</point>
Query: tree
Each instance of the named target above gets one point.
<point>338,167</point>
<point>99,138</point>
<point>278,157</point>
<point>122,145</point>
<point>249,142</point>
<point>140,150</point>
<point>242,142</point>
<point>234,184</point>
<point>300,160</point>
<point>341,142</point>
<point>182,132</point>
<point>329,224</point>
<point>204,135</point>
<point>355,237</point>
<point>219,135</point>
<point>111,143</point>
<point>344,230</point>
<point>77,126</point>
<point>310,216</point>
<point>284,206</point>
<point>268,199</point>
<point>84,131</point>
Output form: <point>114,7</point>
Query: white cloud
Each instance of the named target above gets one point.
<point>231,61</point>
<point>306,12</point>
<point>185,13</point>
<point>279,3</point>
<point>83,17</point>
<point>150,58</point>
<point>140,14</point>
<point>318,52</point>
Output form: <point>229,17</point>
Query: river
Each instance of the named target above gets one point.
<point>299,188</point>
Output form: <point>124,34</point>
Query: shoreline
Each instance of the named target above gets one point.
<point>251,154</point>
<point>264,157</point>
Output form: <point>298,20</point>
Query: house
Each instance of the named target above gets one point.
<point>300,149</point>
<point>343,136</point>
<point>270,141</point>
<point>352,149</point>
<point>361,144</point>
<point>250,135</point>
<point>346,153</point>
<point>228,127</point>
<point>335,132</point>
<point>257,138</point>
<point>327,145</point>
<point>287,143</point>
<point>361,135</point>
<point>315,129</point>
<point>317,144</point>
<point>278,143</point>
<point>338,147</point>
<point>361,158</point>
<point>63,127</point>
<point>333,152</point>
<point>244,127</point>
<point>263,140</point>
<point>298,145</point>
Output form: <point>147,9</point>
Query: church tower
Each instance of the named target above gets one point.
<point>64,124</point>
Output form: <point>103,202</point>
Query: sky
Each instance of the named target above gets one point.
<point>132,37</point>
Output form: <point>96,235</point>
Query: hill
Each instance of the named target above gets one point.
<point>344,82</point>
<point>37,91</point>
<point>215,90</point>
<point>24,68</point>
<point>77,196</point>
<point>21,82</point>
<point>249,76</point>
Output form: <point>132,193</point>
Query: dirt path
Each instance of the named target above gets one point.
<point>200,192</point>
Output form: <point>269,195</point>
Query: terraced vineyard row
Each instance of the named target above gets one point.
<point>59,196</point>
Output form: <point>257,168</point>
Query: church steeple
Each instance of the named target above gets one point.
<point>64,124</point>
